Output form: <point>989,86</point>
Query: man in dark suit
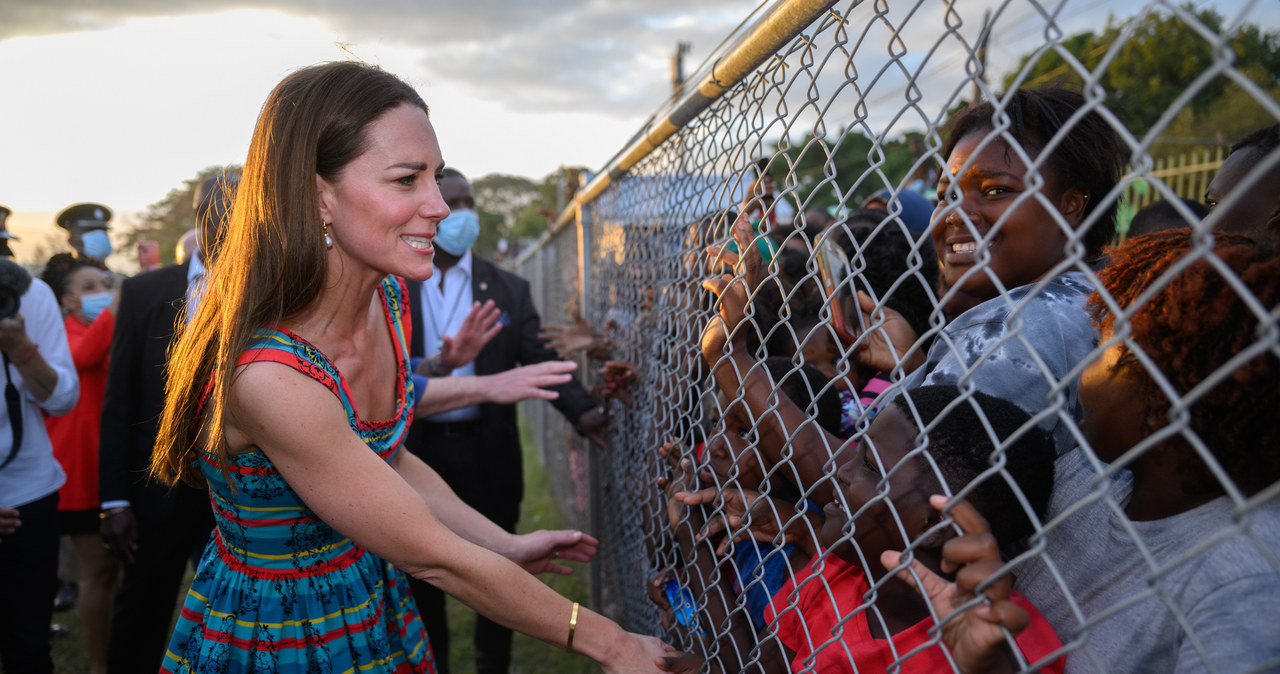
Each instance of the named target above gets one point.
<point>477,449</point>
<point>152,527</point>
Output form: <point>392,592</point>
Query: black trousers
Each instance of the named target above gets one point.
<point>142,621</point>
<point>453,451</point>
<point>28,581</point>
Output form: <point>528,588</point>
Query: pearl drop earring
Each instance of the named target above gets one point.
<point>328,241</point>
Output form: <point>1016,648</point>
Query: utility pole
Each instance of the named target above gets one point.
<point>677,68</point>
<point>981,55</point>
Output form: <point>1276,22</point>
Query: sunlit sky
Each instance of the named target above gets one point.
<point>122,108</point>
<point>121,101</point>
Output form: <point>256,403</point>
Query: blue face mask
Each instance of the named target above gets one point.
<point>93,304</point>
<point>96,243</point>
<point>458,232</point>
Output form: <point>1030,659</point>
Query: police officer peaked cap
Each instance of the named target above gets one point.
<point>92,216</point>
<point>4,232</point>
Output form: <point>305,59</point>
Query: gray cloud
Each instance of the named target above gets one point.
<point>604,57</point>
<point>599,56</point>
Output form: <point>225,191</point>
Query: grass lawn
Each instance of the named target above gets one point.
<point>530,655</point>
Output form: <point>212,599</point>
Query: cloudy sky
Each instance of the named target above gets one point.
<point>119,101</point>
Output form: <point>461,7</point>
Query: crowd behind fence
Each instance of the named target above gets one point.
<point>817,350</point>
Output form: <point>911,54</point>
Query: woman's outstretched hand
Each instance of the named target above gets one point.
<point>541,551</point>
<point>530,381</point>
<point>640,653</point>
<point>974,635</point>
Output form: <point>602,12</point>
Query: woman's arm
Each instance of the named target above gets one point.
<point>442,394</point>
<point>303,429</point>
<point>536,552</point>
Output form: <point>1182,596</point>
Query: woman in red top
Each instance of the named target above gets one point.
<point>84,291</point>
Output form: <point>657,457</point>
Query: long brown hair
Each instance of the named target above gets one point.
<point>270,261</point>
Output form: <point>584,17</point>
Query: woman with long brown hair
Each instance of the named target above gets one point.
<point>293,369</point>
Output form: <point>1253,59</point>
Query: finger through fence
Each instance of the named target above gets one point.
<point>923,353</point>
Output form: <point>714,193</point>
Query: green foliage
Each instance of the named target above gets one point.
<point>1158,61</point>
<point>848,156</point>
<point>516,207</point>
<point>167,220</point>
<point>537,511</point>
<point>1226,120</point>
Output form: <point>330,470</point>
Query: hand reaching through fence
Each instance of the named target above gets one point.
<point>974,633</point>
<point>616,378</point>
<point>887,343</point>
<point>568,340</point>
<point>763,517</point>
<point>682,479</point>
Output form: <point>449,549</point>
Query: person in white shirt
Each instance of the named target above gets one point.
<point>39,376</point>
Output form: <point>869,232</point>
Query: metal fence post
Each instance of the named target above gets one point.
<point>593,463</point>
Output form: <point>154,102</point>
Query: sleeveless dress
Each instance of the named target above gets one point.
<point>277,589</point>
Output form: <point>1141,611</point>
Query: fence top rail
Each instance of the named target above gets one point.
<point>741,59</point>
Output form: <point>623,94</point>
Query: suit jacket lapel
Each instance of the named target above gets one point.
<point>484,287</point>
<point>482,282</point>
<point>415,318</point>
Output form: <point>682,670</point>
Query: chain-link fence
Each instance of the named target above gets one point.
<point>818,348</point>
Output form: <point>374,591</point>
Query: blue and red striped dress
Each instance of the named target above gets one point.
<point>278,590</point>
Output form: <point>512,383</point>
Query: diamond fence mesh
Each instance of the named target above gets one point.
<point>831,288</point>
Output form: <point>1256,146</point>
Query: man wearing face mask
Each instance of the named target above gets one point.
<point>477,449</point>
<point>87,226</point>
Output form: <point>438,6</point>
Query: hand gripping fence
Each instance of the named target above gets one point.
<point>808,372</point>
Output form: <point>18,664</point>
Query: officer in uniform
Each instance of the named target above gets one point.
<point>5,236</point>
<point>87,226</point>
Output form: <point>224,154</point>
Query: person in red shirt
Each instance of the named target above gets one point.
<point>928,440</point>
<point>83,287</point>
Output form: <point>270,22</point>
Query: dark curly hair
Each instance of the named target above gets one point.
<point>881,256</point>
<point>802,385</point>
<point>1265,139</point>
<point>1088,155</point>
<point>962,449</point>
<point>1190,329</point>
<point>59,269</point>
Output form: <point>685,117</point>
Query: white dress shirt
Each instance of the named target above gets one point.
<point>443,311</point>
<point>34,473</point>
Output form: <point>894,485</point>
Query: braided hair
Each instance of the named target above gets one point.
<point>1196,324</point>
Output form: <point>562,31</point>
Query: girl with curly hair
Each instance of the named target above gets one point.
<point>1164,528</point>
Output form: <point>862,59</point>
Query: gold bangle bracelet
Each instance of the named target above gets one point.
<point>573,625</point>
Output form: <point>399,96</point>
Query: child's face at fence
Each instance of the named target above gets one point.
<point>1029,242</point>
<point>729,447</point>
<point>1114,407</point>
<point>858,482</point>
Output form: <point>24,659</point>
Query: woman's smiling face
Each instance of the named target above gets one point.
<point>1030,240</point>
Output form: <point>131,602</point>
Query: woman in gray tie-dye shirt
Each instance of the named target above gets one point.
<point>1016,231</point>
